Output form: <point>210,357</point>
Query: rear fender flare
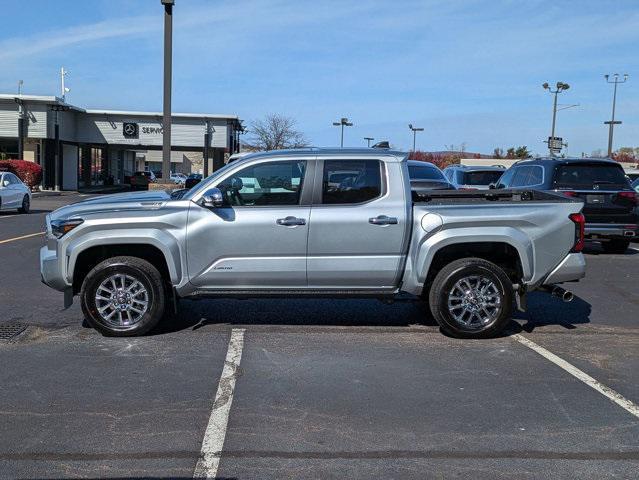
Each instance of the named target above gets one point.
<point>511,236</point>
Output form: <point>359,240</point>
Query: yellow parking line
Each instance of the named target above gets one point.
<point>20,238</point>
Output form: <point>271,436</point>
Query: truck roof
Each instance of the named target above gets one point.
<point>342,153</point>
<point>569,160</point>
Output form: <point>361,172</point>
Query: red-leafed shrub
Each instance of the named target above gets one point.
<point>438,159</point>
<point>29,172</point>
<point>624,157</point>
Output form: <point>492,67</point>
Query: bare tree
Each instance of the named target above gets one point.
<point>275,132</point>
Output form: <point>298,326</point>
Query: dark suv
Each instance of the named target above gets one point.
<point>610,203</point>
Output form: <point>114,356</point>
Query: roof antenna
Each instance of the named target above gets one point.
<point>64,90</point>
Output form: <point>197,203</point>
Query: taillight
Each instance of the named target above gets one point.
<point>580,224</point>
<point>569,193</point>
<point>632,196</point>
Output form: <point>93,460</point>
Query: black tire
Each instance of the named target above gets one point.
<point>132,267</point>
<point>26,205</point>
<point>615,246</point>
<point>444,285</point>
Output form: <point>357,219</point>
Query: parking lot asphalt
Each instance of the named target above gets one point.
<point>321,389</point>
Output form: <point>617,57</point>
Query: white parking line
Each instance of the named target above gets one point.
<point>21,238</point>
<point>619,399</point>
<point>213,441</point>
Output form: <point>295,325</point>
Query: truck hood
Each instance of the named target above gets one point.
<point>113,203</point>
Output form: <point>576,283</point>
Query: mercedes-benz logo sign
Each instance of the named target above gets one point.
<point>130,129</point>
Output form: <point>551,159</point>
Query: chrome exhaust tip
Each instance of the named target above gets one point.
<point>564,295</point>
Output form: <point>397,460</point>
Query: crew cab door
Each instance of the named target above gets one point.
<point>358,225</point>
<point>257,239</point>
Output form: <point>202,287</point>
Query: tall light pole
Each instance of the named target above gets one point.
<point>168,67</point>
<point>553,146</point>
<point>612,121</point>
<point>368,140</point>
<point>415,130</point>
<point>344,123</point>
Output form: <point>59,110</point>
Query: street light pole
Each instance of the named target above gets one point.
<point>343,122</point>
<point>168,67</point>
<point>612,121</point>
<point>560,87</point>
<point>415,130</point>
<point>205,153</point>
<point>368,140</point>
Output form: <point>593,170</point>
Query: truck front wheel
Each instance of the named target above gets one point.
<point>471,298</point>
<point>123,296</point>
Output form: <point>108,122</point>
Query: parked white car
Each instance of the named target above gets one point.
<point>178,178</point>
<point>13,193</point>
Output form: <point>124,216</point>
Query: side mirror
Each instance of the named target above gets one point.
<point>492,186</point>
<point>212,198</point>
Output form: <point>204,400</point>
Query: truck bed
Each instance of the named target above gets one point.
<point>448,197</point>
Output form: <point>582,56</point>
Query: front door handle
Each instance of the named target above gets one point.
<point>383,220</point>
<point>290,221</point>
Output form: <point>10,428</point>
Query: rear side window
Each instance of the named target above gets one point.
<point>480,178</point>
<point>419,172</point>
<point>351,181</point>
<point>590,176</point>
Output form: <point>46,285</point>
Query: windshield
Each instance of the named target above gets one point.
<point>485,177</point>
<point>189,193</point>
<point>418,172</point>
<point>590,177</point>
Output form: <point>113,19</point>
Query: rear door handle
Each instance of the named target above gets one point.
<point>383,220</point>
<point>290,221</point>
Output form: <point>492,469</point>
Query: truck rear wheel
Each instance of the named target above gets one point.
<point>123,297</point>
<point>471,298</point>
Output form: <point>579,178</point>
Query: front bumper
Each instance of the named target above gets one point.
<point>571,268</point>
<point>51,270</point>
<point>595,231</point>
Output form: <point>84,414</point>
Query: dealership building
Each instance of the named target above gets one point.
<point>103,147</point>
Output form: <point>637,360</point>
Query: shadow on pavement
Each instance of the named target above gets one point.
<point>302,312</point>
<point>543,310</point>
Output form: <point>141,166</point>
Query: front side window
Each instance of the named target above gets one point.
<point>521,176</point>
<point>351,181</point>
<point>265,184</point>
<point>506,178</point>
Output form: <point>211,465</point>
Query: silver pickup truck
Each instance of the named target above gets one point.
<point>313,222</point>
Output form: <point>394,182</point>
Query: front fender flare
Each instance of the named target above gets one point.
<point>163,241</point>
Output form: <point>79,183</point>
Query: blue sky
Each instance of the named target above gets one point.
<point>467,71</point>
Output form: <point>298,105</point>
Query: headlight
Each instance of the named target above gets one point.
<point>62,227</point>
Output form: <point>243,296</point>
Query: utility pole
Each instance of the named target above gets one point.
<point>168,67</point>
<point>612,121</point>
<point>415,130</point>
<point>555,145</point>
<point>368,139</point>
<point>344,123</point>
